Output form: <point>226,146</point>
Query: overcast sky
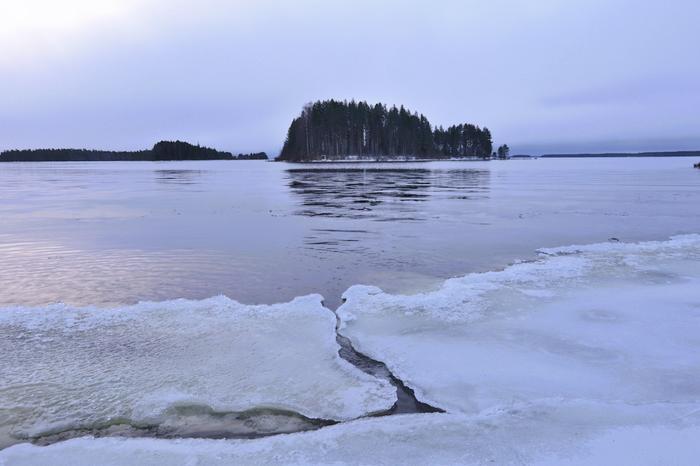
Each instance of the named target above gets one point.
<point>543,75</point>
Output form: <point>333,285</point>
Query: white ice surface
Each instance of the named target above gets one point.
<point>613,323</point>
<point>68,368</point>
<point>587,356</point>
<point>559,434</point>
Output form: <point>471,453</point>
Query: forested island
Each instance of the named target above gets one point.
<point>163,150</point>
<point>342,130</point>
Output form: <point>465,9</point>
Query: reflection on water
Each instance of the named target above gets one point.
<point>384,194</point>
<point>118,232</point>
<point>178,177</point>
<point>373,201</point>
<point>35,273</point>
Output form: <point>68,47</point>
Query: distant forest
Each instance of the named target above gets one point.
<point>337,129</point>
<point>163,150</point>
<point>253,156</point>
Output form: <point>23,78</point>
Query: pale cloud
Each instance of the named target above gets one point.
<point>122,74</point>
<point>31,30</point>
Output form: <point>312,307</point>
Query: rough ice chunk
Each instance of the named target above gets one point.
<point>610,322</point>
<point>575,433</point>
<point>69,368</point>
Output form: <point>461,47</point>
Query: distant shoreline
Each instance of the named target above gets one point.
<point>687,153</point>
<point>196,153</point>
<point>394,160</point>
<point>161,152</point>
<point>516,157</point>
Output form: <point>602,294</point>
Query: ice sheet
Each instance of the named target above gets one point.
<point>611,322</point>
<point>73,368</point>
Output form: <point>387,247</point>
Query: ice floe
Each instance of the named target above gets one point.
<point>611,322</point>
<point>172,363</point>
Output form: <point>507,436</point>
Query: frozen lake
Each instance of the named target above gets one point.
<point>119,232</point>
<point>567,352</point>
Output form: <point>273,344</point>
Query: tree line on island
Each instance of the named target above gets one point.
<point>325,130</point>
<point>334,129</point>
<point>252,156</point>
<point>161,151</point>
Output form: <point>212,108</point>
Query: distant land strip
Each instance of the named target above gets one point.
<point>682,153</point>
<point>161,151</point>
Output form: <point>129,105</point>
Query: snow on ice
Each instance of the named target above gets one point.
<point>79,368</point>
<point>610,323</point>
<point>588,355</point>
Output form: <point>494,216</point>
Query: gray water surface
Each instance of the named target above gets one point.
<point>101,233</point>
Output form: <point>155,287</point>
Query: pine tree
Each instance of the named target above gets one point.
<point>503,151</point>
